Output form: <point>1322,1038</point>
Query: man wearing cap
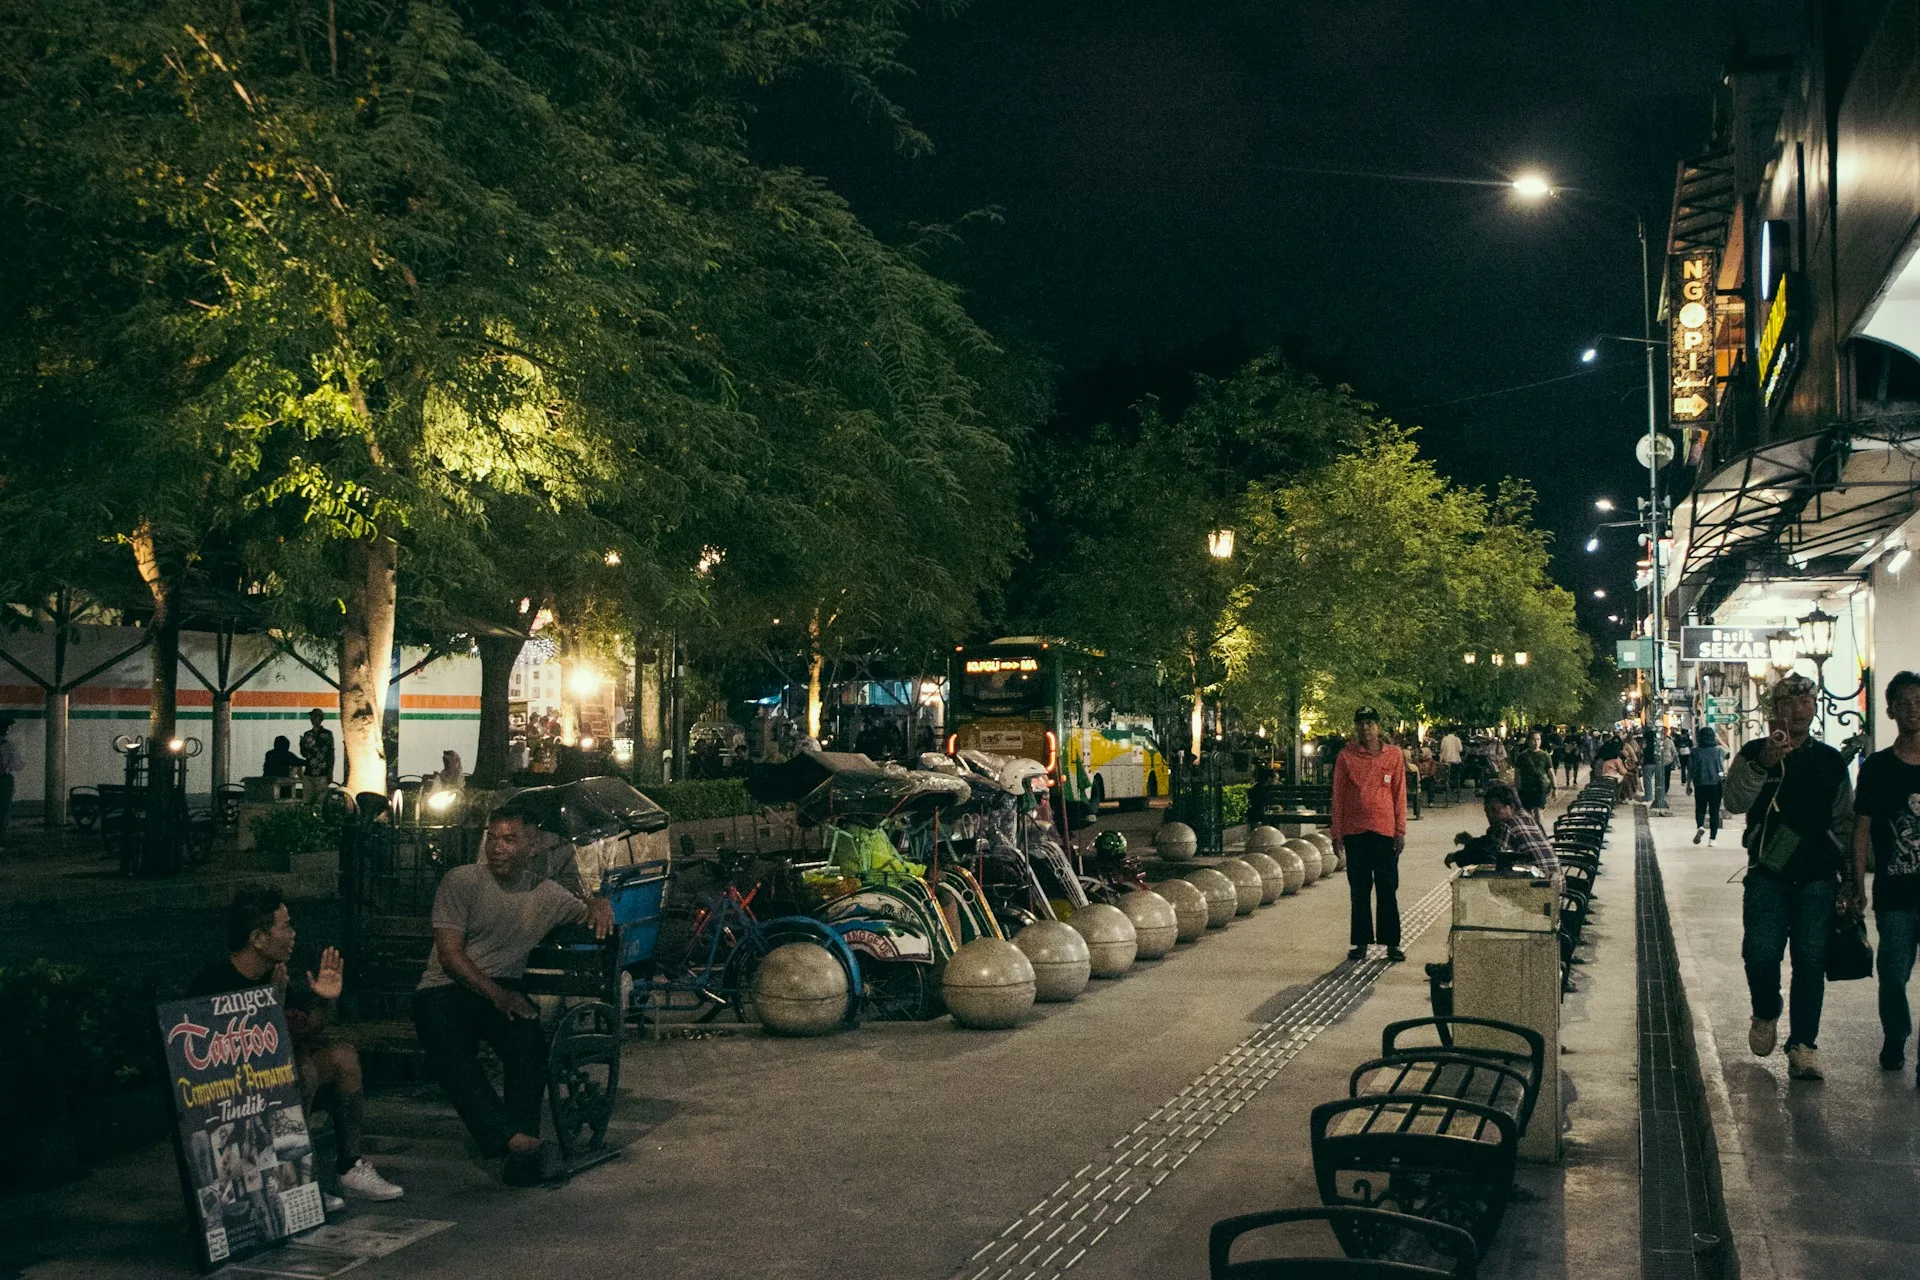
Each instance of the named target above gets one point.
<point>1799,806</point>
<point>1370,826</point>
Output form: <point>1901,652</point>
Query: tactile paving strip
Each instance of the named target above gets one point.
<point>1053,1236</point>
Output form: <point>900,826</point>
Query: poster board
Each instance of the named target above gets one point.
<point>246,1159</point>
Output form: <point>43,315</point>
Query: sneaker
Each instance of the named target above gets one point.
<point>1803,1063</point>
<point>1700,835</point>
<point>1358,953</point>
<point>1893,1054</point>
<point>1395,955</point>
<point>1760,1036</point>
<point>331,1203</point>
<point>363,1182</point>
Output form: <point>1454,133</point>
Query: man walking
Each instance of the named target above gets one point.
<point>1450,763</point>
<point>316,746</point>
<point>1707,772</point>
<point>1370,825</point>
<point>1799,806</point>
<point>1886,838</point>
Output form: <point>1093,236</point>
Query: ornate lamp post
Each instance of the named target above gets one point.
<point>1815,639</point>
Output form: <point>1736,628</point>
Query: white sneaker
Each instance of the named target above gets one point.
<point>331,1203</point>
<point>1803,1063</point>
<point>363,1182</point>
<point>1760,1036</point>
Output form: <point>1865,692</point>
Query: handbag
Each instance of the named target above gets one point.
<point>1849,954</point>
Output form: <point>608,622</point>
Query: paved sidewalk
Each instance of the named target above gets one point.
<point>1820,1177</point>
<point>909,1149</point>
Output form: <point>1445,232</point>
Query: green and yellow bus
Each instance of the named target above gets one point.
<point>1088,718</point>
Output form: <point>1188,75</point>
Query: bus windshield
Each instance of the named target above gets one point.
<point>1003,684</point>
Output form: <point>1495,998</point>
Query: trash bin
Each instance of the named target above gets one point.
<point>1506,964</point>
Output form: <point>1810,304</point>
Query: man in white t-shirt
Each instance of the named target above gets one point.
<point>1450,761</point>
<point>487,916</point>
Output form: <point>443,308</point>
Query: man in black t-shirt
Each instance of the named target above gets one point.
<point>1886,836</point>
<point>259,943</point>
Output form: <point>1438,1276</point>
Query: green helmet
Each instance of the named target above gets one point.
<point>1110,844</point>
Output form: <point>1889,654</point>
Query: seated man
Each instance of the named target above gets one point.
<point>487,916</point>
<point>1518,837</point>
<point>259,944</point>
<point>281,762</point>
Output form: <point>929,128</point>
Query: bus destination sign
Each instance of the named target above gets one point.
<point>993,666</point>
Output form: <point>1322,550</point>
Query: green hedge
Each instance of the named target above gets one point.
<point>1233,803</point>
<point>296,828</point>
<point>692,801</point>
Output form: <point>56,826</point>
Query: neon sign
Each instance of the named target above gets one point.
<point>993,666</point>
<point>1690,349</point>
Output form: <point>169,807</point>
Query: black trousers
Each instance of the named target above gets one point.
<point>452,1021</point>
<point>1373,868</point>
<point>1706,807</point>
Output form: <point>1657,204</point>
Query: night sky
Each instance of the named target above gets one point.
<point>1144,161</point>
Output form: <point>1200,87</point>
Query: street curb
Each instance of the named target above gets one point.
<point>1746,1217</point>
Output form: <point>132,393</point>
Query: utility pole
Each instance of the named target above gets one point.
<point>1658,583</point>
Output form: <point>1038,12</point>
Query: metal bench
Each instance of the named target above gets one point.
<point>1423,1248</point>
<point>1430,1156</point>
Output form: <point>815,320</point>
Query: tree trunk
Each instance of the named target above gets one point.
<point>815,666</point>
<point>163,704</point>
<point>648,740</point>
<point>497,656</point>
<point>366,656</point>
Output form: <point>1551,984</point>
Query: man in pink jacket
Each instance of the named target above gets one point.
<point>1370,824</point>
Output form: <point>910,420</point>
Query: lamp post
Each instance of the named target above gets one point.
<point>1535,186</point>
<point>1814,638</point>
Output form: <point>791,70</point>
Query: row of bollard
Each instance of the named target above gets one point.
<point>991,983</point>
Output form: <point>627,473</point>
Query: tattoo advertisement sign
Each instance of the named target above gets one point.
<point>246,1160</point>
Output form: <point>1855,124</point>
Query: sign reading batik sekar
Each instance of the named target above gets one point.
<point>1690,307</point>
<point>246,1161</point>
<point>1725,644</point>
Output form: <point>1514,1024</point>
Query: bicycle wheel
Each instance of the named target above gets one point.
<point>898,991</point>
<point>735,989</point>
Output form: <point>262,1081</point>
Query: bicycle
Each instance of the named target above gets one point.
<point>726,943</point>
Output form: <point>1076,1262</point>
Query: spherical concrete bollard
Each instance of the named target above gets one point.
<point>1176,842</point>
<point>1331,860</point>
<point>799,989</point>
<point>1156,926</point>
<point>1292,868</point>
<point>1246,884</point>
<point>1189,907</point>
<point>989,984</point>
<point>1110,936</point>
<point>1222,898</point>
<point>1059,957</point>
<point>1309,858</point>
<point>1265,839</point>
<point>1273,879</point>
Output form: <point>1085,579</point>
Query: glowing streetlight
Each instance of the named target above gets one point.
<point>1532,186</point>
<point>1589,355</point>
<point>1603,504</point>
<point>1220,544</point>
<point>1522,658</point>
<point>1593,543</point>
<point>1599,593</point>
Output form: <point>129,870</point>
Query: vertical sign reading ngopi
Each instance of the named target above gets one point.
<point>246,1161</point>
<point>1690,307</point>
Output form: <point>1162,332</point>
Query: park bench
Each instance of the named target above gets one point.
<point>1429,1248</point>
<point>1431,1129</point>
<point>1304,805</point>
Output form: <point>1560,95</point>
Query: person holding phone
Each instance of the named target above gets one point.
<point>1799,805</point>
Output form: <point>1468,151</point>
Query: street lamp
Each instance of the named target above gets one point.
<point>1602,504</point>
<point>1522,658</point>
<point>1816,645</point>
<point>1470,657</point>
<point>1537,185</point>
<point>1781,651</point>
<point>1599,593</point>
<point>1220,544</point>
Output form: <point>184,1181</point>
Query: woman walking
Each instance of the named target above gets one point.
<point>1709,773</point>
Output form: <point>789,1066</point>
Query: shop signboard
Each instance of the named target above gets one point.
<point>1724,644</point>
<point>246,1160</point>
<point>1633,654</point>
<point>1723,711</point>
<point>1690,336</point>
<point>1776,351</point>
